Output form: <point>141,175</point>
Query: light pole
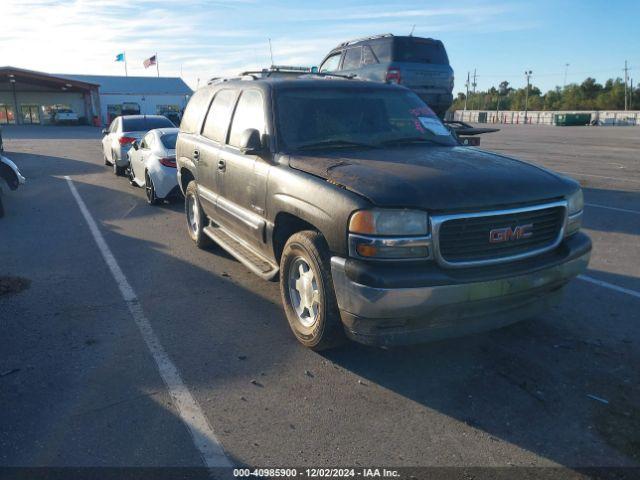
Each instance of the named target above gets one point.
<point>527,73</point>
<point>467,96</point>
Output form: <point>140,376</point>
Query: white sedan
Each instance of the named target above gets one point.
<point>152,164</point>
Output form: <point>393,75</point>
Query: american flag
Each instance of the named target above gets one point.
<point>150,61</point>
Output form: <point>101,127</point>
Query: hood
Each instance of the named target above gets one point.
<point>436,178</point>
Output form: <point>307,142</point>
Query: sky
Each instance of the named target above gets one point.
<point>200,39</point>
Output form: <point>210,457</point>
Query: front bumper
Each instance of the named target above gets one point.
<point>435,310</point>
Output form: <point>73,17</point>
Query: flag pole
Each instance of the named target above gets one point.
<point>157,65</point>
<point>126,73</point>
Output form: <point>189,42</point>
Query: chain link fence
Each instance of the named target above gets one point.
<point>604,118</point>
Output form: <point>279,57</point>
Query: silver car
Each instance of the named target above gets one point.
<point>121,134</point>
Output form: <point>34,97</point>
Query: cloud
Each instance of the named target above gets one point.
<point>203,38</point>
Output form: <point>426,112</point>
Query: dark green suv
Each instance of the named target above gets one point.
<point>373,217</point>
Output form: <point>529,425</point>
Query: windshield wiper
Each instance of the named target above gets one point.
<point>334,143</point>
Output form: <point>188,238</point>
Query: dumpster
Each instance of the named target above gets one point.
<point>571,119</point>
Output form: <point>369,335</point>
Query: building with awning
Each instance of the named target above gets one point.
<point>30,97</point>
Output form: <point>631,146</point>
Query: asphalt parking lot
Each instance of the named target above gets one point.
<point>79,385</point>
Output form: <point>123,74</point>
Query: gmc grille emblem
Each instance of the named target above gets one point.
<point>508,234</point>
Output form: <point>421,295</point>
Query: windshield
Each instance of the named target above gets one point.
<point>143,124</point>
<point>354,117</point>
<point>169,140</point>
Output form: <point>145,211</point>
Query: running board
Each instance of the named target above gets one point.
<point>239,249</point>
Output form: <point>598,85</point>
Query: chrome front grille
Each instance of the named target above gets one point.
<point>463,240</point>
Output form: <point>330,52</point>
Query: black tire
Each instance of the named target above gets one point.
<point>326,330</point>
<point>131,175</point>
<point>106,160</point>
<point>195,226</point>
<point>150,189</point>
<point>117,171</point>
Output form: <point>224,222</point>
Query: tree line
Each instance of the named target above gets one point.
<point>588,95</point>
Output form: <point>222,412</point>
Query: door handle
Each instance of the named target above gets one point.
<point>196,155</point>
<point>222,166</point>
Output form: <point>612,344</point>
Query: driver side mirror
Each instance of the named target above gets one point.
<point>135,145</point>
<point>105,131</point>
<point>251,142</point>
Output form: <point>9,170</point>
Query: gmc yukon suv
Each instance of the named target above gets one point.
<point>373,217</point>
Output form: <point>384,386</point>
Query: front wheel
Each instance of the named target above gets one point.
<point>196,218</point>
<point>117,171</point>
<point>307,291</point>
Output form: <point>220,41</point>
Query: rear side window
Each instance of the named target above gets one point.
<point>249,114</point>
<point>217,121</point>
<point>352,58</point>
<point>368,57</point>
<point>194,113</point>
<point>331,64</point>
<point>420,50</point>
<point>382,51</point>
<point>169,140</point>
<point>145,124</point>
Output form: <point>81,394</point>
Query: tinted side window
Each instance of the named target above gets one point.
<point>352,58</point>
<point>144,124</point>
<point>331,63</point>
<point>382,51</point>
<point>194,113</point>
<point>249,114</point>
<point>217,121</point>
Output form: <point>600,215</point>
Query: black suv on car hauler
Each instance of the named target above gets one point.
<point>376,221</point>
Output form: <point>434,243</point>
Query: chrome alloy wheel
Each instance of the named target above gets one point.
<point>193,214</point>
<point>304,292</point>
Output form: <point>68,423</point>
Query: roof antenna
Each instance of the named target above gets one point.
<point>412,29</point>
<point>271,52</point>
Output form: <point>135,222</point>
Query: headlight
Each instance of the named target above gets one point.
<point>389,222</point>
<point>575,202</point>
<point>389,234</point>
<point>575,205</point>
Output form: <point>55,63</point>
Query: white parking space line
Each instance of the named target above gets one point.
<point>610,286</point>
<point>190,412</point>
<point>626,210</point>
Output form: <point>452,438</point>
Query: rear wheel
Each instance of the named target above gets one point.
<point>196,218</point>
<point>307,291</point>
<point>117,171</point>
<point>150,190</point>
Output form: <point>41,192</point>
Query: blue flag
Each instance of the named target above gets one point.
<point>120,57</point>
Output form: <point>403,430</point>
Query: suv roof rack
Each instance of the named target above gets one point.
<point>351,76</point>
<point>301,72</point>
<point>242,76</point>
<point>362,39</point>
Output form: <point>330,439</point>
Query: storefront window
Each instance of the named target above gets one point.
<point>7,115</point>
<point>30,113</point>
